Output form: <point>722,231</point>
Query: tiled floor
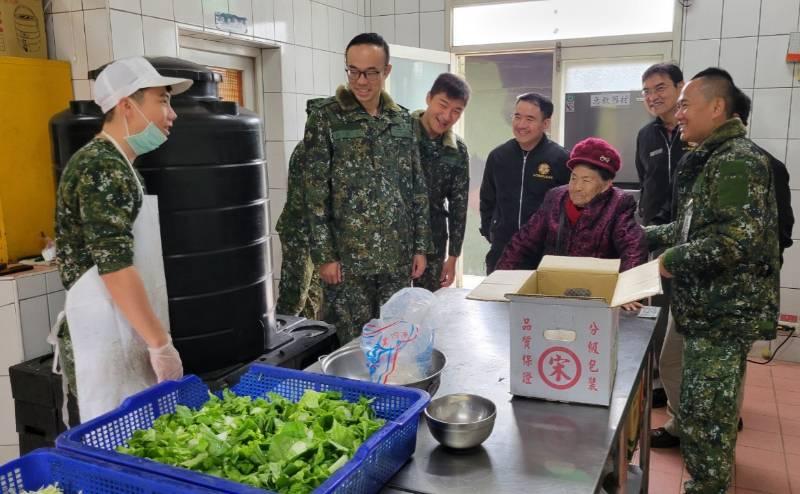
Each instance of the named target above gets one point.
<point>768,449</point>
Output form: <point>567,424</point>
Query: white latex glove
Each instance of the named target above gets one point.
<point>166,362</point>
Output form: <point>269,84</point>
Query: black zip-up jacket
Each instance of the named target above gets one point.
<point>514,185</point>
<point>657,156</point>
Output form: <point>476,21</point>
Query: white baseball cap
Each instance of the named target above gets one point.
<point>125,76</point>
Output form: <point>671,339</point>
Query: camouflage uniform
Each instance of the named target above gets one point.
<point>724,258</point>
<point>367,204</point>
<point>299,291</point>
<point>445,162</point>
<point>98,201</point>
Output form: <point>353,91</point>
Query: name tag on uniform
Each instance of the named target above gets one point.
<point>656,152</point>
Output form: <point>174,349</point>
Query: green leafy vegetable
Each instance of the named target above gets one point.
<point>48,489</point>
<point>270,444</point>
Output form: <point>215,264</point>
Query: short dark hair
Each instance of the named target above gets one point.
<point>369,39</point>
<point>453,86</point>
<point>742,105</point>
<point>138,96</point>
<point>543,102</point>
<point>718,83</point>
<point>668,69</point>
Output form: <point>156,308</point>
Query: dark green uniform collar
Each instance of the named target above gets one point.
<point>731,129</point>
<point>448,138</point>
<point>348,101</point>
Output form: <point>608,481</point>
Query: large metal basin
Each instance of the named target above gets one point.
<point>350,362</point>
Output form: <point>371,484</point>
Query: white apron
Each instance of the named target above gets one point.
<point>111,359</point>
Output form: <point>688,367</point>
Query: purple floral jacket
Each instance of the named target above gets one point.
<point>606,229</point>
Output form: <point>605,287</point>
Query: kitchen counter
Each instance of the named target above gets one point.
<point>536,445</point>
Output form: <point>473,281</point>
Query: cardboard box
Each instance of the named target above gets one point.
<point>22,29</point>
<point>564,347</point>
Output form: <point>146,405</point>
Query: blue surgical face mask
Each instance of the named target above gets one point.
<point>148,139</point>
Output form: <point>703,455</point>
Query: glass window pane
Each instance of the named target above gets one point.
<point>622,75</point>
<point>410,81</point>
<point>559,19</point>
<point>496,81</point>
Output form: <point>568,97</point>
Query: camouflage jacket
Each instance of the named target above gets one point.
<point>98,201</point>
<point>365,190</point>
<point>723,244</point>
<point>445,162</point>
<point>292,222</point>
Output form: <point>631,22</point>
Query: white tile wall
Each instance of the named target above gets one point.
<point>126,33</point>
<point>277,198</point>
<point>336,66</point>
<point>698,55</point>
<point>81,89</point>
<point>703,20</point>
<point>243,8</point>
<point>431,31</point>
<point>305,70</point>
<point>738,56</point>
<point>98,38</point>
<point>775,147</point>
<point>336,41</point>
<point>93,4</point>
<point>70,41</point>
<point>322,72</point>
<point>264,19</point>
<point>158,8</point>
<point>319,26</point>
<point>273,106</point>
<point>160,37</point>
<point>382,7</point>
<point>284,21</point>
<point>771,67</point>
<point>790,300</point>
<point>210,7</point>
<point>431,5</point>
<point>350,6</point>
<point>794,123</point>
<point>289,103</point>
<point>407,29</point>
<point>126,5</point>
<point>406,6</point>
<point>277,163</point>
<point>188,12</point>
<point>383,25</point>
<point>289,67</point>
<point>350,29</point>
<point>271,67</point>
<point>779,16</point>
<point>790,274</point>
<point>770,117</point>
<point>300,122</point>
<point>302,22</point>
<point>796,209</point>
<point>793,165</point>
<point>740,18</point>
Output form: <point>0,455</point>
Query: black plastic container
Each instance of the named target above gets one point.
<point>211,186</point>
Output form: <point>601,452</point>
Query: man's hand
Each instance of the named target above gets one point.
<point>633,306</point>
<point>661,269</point>
<point>331,273</point>
<point>448,271</point>
<point>418,266</point>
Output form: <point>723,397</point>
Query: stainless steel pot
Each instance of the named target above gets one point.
<point>350,362</point>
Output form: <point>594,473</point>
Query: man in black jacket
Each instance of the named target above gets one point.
<point>519,173</point>
<point>658,145</point>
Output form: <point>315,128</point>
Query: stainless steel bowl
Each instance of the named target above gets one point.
<point>460,420</point>
<point>350,362</point>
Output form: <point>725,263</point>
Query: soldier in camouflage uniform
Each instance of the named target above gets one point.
<point>299,291</point>
<point>724,261</point>
<point>445,162</point>
<point>100,197</point>
<point>366,194</point>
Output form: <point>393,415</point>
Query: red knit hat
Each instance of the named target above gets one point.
<point>597,152</point>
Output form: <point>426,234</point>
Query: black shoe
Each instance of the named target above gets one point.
<point>659,398</point>
<point>741,424</point>
<point>660,438</point>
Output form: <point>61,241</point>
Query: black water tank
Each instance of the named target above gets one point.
<point>210,181</point>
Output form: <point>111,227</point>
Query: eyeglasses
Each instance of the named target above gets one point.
<point>658,90</point>
<point>353,74</point>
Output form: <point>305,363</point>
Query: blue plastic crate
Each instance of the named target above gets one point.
<point>75,473</point>
<point>373,464</point>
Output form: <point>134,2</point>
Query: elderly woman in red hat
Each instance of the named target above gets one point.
<point>588,217</point>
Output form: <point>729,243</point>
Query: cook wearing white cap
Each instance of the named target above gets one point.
<point>113,336</point>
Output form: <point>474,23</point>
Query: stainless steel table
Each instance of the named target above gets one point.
<point>536,446</point>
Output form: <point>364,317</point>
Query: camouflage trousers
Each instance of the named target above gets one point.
<point>299,290</point>
<point>713,369</point>
<point>430,279</point>
<point>66,357</point>
<point>352,303</point>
